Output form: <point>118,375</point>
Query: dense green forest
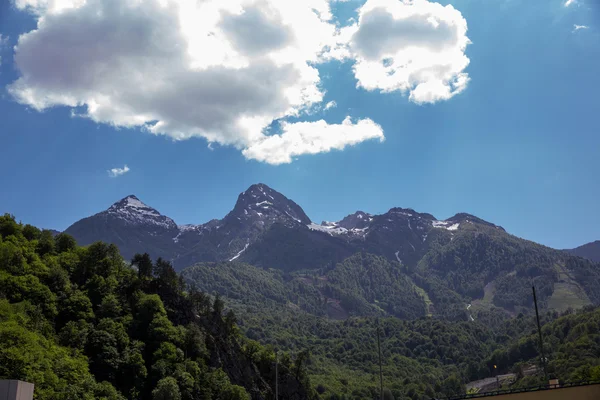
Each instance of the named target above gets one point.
<point>571,344</point>
<point>423,357</point>
<point>80,323</point>
<point>430,358</point>
<point>362,284</point>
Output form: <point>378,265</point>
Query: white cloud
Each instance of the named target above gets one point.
<point>569,2</point>
<point>331,104</point>
<point>224,70</point>
<point>116,172</point>
<point>416,47</point>
<point>312,138</point>
<point>578,27</point>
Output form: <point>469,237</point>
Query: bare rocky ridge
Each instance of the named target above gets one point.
<point>263,218</point>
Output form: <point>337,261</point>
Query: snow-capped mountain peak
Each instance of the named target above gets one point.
<point>263,205</point>
<point>132,210</point>
<point>133,204</point>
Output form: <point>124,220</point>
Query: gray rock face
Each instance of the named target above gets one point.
<point>132,226</point>
<point>267,229</point>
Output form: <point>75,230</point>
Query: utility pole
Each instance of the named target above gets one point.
<point>276,376</point>
<point>537,316</point>
<point>380,371</point>
<point>497,378</point>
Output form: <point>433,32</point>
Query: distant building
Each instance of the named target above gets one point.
<point>16,390</point>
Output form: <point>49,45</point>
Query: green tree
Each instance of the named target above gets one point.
<point>234,392</point>
<point>28,287</point>
<point>166,389</point>
<point>73,307</point>
<point>31,232</point>
<point>64,243</point>
<point>143,263</point>
<point>165,360</point>
<point>133,372</point>
<point>106,391</point>
<point>45,243</point>
<point>8,226</point>
<point>102,350</point>
<point>148,306</point>
<point>74,334</point>
<point>110,307</point>
<point>218,305</point>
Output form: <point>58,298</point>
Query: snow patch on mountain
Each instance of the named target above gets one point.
<point>176,238</point>
<point>189,227</point>
<point>453,227</point>
<point>240,252</point>
<point>263,202</point>
<point>331,229</point>
<point>134,211</point>
<point>444,225</point>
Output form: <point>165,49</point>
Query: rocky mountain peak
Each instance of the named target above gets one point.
<point>358,220</point>
<point>131,202</point>
<point>408,212</point>
<point>468,218</point>
<point>260,202</point>
<point>132,210</point>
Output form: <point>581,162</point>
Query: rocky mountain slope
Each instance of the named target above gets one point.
<point>451,263</point>
<point>132,226</point>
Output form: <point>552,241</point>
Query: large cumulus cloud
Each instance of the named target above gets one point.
<point>417,47</point>
<point>225,70</point>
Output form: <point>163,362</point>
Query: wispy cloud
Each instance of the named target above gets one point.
<point>570,2</point>
<point>331,104</point>
<point>116,172</point>
<point>579,27</point>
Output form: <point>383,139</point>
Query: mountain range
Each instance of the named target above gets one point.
<point>262,219</point>
<point>455,268</point>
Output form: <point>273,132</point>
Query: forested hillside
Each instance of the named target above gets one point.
<point>423,357</point>
<point>429,358</point>
<point>81,323</point>
<point>361,285</point>
<point>571,344</point>
<point>490,268</point>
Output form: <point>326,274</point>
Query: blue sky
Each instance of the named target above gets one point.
<point>518,146</point>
